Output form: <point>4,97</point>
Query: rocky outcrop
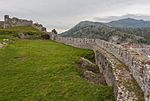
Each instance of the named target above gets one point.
<point>88,65</point>
<point>91,72</point>
<point>95,78</point>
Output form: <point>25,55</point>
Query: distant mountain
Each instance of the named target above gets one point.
<point>88,29</point>
<point>130,23</point>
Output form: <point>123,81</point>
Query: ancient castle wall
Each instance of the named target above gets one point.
<point>138,65</point>
<point>76,42</point>
<point>1,24</point>
<point>117,75</point>
<point>13,22</point>
<point>39,26</point>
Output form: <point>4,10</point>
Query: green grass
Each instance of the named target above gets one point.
<point>36,70</point>
<point>12,33</point>
<point>21,29</point>
<point>24,28</point>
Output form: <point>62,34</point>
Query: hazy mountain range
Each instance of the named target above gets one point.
<point>130,23</point>
<point>120,31</point>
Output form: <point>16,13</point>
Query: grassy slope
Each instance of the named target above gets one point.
<point>45,71</point>
<point>22,29</point>
<point>10,33</point>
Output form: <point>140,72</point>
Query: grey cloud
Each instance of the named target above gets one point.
<point>64,14</point>
<point>112,18</point>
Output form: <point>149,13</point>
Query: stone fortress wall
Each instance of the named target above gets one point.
<point>39,26</point>
<point>13,22</point>
<point>138,65</point>
<point>1,24</point>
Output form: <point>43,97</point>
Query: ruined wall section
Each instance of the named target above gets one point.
<point>13,22</point>
<point>39,27</point>
<point>138,65</point>
<point>1,24</point>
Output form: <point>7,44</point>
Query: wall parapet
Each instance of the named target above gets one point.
<point>138,65</point>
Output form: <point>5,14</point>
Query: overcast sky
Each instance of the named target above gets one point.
<point>64,14</point>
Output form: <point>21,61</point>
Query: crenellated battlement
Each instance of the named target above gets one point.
<point>138,64</point>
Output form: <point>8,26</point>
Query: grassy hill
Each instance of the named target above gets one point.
<point>19,29</point>
<point>36,70</point>
<point>11,33</point>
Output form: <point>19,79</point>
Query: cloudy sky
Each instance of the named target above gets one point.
<point>64,14</point>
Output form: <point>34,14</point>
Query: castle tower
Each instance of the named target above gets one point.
<point>7,21</point>
<point>6,18</point>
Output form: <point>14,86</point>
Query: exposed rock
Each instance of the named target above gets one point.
<point>95,78</point>
<point>91,72</point>
<point>86,64</point>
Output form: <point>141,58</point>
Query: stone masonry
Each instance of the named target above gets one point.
<point>39,26</point>
<point>13,22</point>
<point>123,69</point>
<point>1,24</point>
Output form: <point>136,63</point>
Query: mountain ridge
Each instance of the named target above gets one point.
<point>129,23</point>
<point>104,31</point>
